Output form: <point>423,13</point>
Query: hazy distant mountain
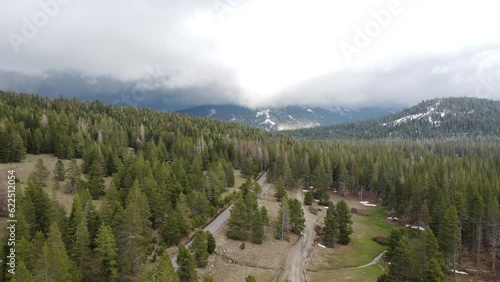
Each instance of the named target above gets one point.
<point>285,118</point>
<point>446,118</point>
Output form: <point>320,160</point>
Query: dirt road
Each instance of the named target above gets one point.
<point>222,218</point>
<point>295,267</point>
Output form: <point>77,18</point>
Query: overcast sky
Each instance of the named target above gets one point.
<point>172,54</point>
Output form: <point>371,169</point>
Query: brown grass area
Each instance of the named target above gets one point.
<point>221,270</point>
<point>26,167</point>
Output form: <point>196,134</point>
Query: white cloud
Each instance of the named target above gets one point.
<point>261,52</point>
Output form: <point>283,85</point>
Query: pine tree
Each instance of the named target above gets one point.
<point>73,176</point>
<point>211,243</point>
<point>264,216</point>
<point>162,271</point>
<point>344,222</point>
<point>134,231</point>
<point>96,181</point>
<point>297,220</point>
<point>449,234</point>
<point>403,265</point>
<point>5,145</point>
<point>428,247</point>
<point>41,172</point>
<point>53,263</point>
<point>308,198</point>
<point>283,228</point>
<point>22,274</point>
<point>331,228</point>
<point>257,228</point>
<point>41,202</point>
<point>106,254</point>
<point>395,236</point>
<point>80,251</point>
<point>238,221</point>
<point>433,272</point>
<point>187,266</point>
<point>59,171</point>
<point>279,188</point>
<point>199,248</point>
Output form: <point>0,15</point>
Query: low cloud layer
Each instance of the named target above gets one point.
<point>174,54</point>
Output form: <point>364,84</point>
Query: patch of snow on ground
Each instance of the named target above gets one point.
<point>290,117</point>
<point>367,204</point>
<point>211,112</point>
<point>311,111</point>
<point>322,246</point>
<point>415,227</point>
<point>268,121</point>
<point>459,272</point>
<point>430,110</point>
<point>262,113</point>
<point>393,218</point>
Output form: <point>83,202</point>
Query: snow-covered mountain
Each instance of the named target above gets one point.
<point>285,118</point>
<point>441,118</point>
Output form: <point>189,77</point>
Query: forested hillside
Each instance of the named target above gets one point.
<point>169,172</point>
<point>444,119</point>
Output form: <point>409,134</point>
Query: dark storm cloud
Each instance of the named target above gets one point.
<point>143,93</point>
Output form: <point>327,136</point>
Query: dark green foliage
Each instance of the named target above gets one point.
<point>257,235</point>
<point>403,266</point>
<point>73,177</point>
<point>449,235</point>
<point>331,229</point>
<point>187,266</point>
<point>344,222</point>
<point>238,223</point>
<point>95,182</point>
<point>37,198</point>
<point>433,272</point>
<point>106,254</point>
<point>396,235</point>
<point>279,188</point>
<point>199,248</point>
<point>308,198</point>
<point>264,216</point>
<point>211,244</point>
<point>53,263</point>
<point>41,172</point>
<point>297,220</point>
<point>59,171</point>
<point>283,228</point>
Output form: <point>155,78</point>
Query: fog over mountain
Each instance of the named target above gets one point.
<point>172,54</point>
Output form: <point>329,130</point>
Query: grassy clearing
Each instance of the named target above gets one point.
<point>360,251</point>
<point>367,274</point>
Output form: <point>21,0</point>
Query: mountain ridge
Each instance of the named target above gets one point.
<point>438,118</point>
<point>287,117</point>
